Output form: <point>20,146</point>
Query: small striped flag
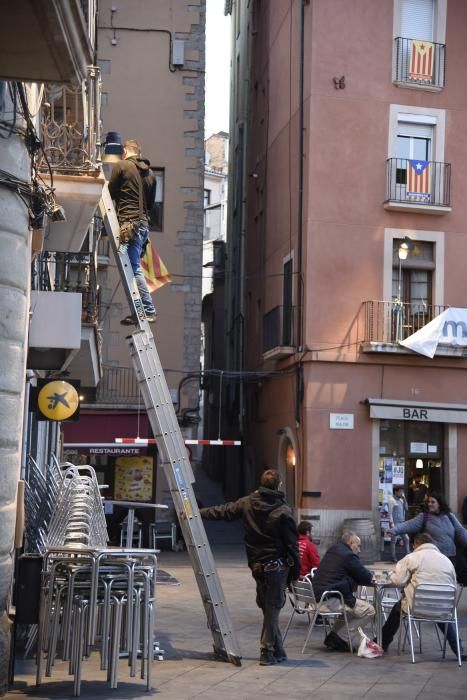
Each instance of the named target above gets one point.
<point>418,179</point>
<point>155,271</point>
<point>421,61</point>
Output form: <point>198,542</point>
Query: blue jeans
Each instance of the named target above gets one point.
<point>270,597</point>
<point>135,250</point>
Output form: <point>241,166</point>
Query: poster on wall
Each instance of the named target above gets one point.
<point>398,473</point>
<point>133,479</point>
<point>388,464</point>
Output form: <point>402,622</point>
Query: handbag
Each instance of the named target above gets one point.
<point>368,649</point>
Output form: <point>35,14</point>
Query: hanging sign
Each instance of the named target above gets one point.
<point>58,400</point>
<point>449,328</point>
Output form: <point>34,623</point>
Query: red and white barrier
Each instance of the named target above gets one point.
<point>152,441</point>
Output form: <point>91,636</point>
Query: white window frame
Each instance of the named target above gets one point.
<point>435,237</point>
<point>418,115</point>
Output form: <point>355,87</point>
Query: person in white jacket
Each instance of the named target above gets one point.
<point>425,564</point>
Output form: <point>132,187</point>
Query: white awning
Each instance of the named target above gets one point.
<point>418,411</point>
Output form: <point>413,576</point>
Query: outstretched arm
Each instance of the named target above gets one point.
<point>410,527</point>
<point>226,511</point>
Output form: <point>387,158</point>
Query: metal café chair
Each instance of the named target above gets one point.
<point>432,603</point>
<point>303,601</point>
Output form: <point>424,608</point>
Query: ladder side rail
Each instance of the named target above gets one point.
<point>172,449</point>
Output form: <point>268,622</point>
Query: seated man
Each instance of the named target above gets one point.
<point>425,564</point>
<point>309,557</point>
<point>341,570</point>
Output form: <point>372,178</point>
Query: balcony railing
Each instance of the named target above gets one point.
<point>70,126</point>
<point>69,272</point>
<point>118,386</point>
<point>388,322</point>
<point>419,64</point>
<point>419,182</point>
<point>279,328</point>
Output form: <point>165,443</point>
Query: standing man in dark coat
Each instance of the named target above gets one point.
<point>271,547</point>
<point>341,570</point>
<point>130,186</point>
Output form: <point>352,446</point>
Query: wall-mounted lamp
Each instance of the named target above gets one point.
<point>113,147</point>
<point>419,464</point>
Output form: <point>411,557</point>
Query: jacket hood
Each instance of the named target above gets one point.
<point>141,163</point>
<point>266,500</point>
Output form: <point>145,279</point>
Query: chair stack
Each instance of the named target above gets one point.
<point>40,498</point>
<point>93,597</point>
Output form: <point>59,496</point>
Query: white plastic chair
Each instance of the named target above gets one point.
<point>432,603</point>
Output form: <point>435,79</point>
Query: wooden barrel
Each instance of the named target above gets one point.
<point>365,529</point>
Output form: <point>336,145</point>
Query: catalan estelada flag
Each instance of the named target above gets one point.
<point>155,272</point>
<point>421,61</point>
<point>418,179</point>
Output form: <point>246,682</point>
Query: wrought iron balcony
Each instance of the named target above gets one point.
<point>69,272</point>
<point>419,184</point>
<point>419,63</point>
<point>279,331</point>
<point>118,386</point>
<point>70,126</point>
<point>385,323</point>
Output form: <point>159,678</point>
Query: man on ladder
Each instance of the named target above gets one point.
<point>131,185</point>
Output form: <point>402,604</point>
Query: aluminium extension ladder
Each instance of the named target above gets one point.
<point>172,451</point>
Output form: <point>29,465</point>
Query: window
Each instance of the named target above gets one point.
<point>207,198</point>
<point>287,310</point>
<point>417,19</point>
<point>156,214</point>
<point>414,142</point>
<point>418,177</point>
<point>413,278</point>
<point>419,49</point>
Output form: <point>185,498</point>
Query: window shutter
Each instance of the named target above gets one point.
<point>417,19</point>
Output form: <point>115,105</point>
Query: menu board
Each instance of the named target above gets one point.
<point>133,478</point>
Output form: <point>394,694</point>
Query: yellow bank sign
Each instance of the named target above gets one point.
<point>58,400</point>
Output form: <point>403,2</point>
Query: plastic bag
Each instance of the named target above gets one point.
<point>368,649</point>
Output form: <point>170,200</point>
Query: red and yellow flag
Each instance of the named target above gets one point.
<point>155,272</point>
<point>421,61</point>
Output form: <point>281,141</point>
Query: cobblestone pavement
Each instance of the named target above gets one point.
<point>189,669</point>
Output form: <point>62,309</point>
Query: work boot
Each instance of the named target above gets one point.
<point>267,658</point>
<point>279,654</point>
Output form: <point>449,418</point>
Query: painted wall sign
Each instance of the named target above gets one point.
<point>341,421</point>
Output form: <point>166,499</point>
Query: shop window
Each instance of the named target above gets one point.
<point>411,456</point>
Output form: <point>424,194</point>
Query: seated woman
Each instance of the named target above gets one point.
<point>309,557</point>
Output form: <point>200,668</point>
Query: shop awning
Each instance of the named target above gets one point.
<point>418,411</point>
<point>95,433</point>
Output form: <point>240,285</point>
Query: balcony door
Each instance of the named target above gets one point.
<point>414,143</point>
<point>412,288</point>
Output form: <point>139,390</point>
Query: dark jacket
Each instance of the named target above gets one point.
<point>341,570</point>
<point>124,187</point>
<point>270,529</point>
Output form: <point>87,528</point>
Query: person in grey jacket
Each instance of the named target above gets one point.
<point>397,513</point>
<point>440,523</point>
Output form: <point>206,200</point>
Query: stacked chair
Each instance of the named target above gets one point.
<point>93,598</point>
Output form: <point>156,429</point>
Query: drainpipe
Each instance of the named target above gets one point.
<point>15,262</point>
<point>299,290</point>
